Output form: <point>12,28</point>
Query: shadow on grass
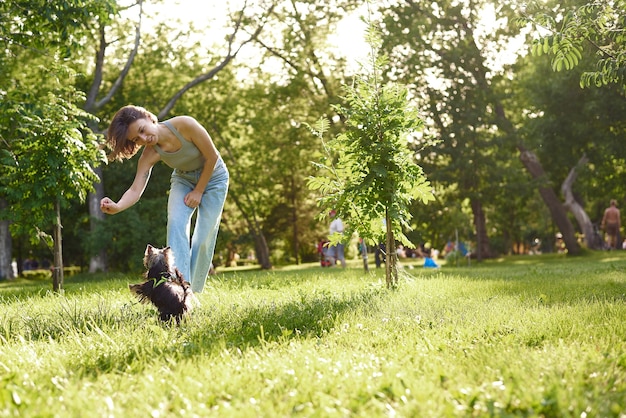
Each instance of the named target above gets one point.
<point>21,289</point>
<point>235,326</point>
<point>312,316</point>
<point>239,330</point>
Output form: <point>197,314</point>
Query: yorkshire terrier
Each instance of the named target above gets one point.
<point>165,286</point>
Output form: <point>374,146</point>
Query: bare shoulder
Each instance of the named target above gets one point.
<point>183,123</point>
<point>190,128</point>
<point>149,156</point>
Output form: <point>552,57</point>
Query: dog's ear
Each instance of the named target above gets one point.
<point>169,255</point>
<point>149,249</point>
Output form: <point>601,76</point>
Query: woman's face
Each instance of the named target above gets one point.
<point>143,132</point>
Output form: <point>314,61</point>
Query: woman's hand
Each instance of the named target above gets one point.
<point>193,199</point>
<point>109,206</point>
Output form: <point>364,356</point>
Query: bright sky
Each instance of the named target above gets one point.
<point>210,17</point>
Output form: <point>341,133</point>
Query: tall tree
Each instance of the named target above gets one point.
<point>263,121</point>
<point>570,126</point>
<point>448,47</point>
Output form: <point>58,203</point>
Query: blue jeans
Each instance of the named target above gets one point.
<point>194,254</point>
<point>337,254</point>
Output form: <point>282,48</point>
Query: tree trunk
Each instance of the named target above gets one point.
<point>391,268</point>
<point>533,166</point>
<point>262,250</point>
<point>57,270</point>
<point>557,210</point>
<point>294,222</point>
<point>483,249</point>
<point>6,247</point>
<point>260,244</point>
<point>98,261</point>
<point>577,210</point>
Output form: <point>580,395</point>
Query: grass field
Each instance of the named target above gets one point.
<point>520,336</point>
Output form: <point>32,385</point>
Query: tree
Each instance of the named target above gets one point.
<point>268,157</point>
<point>308,80</point>
<point>370,174</point>
<point>36,35</point>
<point>48,161</point>
<point>573,129</point>
<point>567,30</point>
<point>443,51</point>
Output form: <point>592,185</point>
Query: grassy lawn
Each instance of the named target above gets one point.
<point>521,336</point>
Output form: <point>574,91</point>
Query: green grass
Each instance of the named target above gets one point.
<point>523,336</point>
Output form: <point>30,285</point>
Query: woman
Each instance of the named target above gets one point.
<point>199,182</point>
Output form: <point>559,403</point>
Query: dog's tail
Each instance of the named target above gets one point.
<point>141,291</point>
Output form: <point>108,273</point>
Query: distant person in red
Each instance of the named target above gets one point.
<point>611,224</point>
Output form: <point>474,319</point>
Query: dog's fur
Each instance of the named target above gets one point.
<point>165,286</point>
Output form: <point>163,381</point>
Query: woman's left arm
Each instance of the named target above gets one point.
<point>196,133</point>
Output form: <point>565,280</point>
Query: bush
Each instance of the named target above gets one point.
<point>45,274</point>
<point>39,274</point>
<point>71,271</point>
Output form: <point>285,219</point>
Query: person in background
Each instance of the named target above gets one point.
<point>611,224</point>
<point>429,262</point>
<point>336,251</point>
<point>380,255</point>
<point>199,182</point>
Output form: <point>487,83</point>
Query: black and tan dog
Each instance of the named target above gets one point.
<point>165,286</point>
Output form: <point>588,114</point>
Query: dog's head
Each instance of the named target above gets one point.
<point>160,259</point>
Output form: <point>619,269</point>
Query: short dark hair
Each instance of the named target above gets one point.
<point>117,134</point>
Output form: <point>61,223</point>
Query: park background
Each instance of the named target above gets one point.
<point>516,151</point>
<point>517,148</point>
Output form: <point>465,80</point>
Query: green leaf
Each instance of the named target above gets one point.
<point>546,45</point>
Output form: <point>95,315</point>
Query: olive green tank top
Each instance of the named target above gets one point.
<point>187,158</point>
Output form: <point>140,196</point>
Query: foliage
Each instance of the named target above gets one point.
<point>370,174</point>
<point>253,111</point>
<point>451,55</point>
<point>565,32</point>
<point>45,26</point>
<point>268,176</point>
<point>564,122</point>
<point>45,145</point>
<point>43,275</point>
<point>48,154</point>
<point>520,336</point>
<point>126,234</point>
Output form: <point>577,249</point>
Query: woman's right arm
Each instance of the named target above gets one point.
<point>148,159</point>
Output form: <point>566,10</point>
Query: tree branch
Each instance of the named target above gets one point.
<point>230,55</point>
<point>118,82</point>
